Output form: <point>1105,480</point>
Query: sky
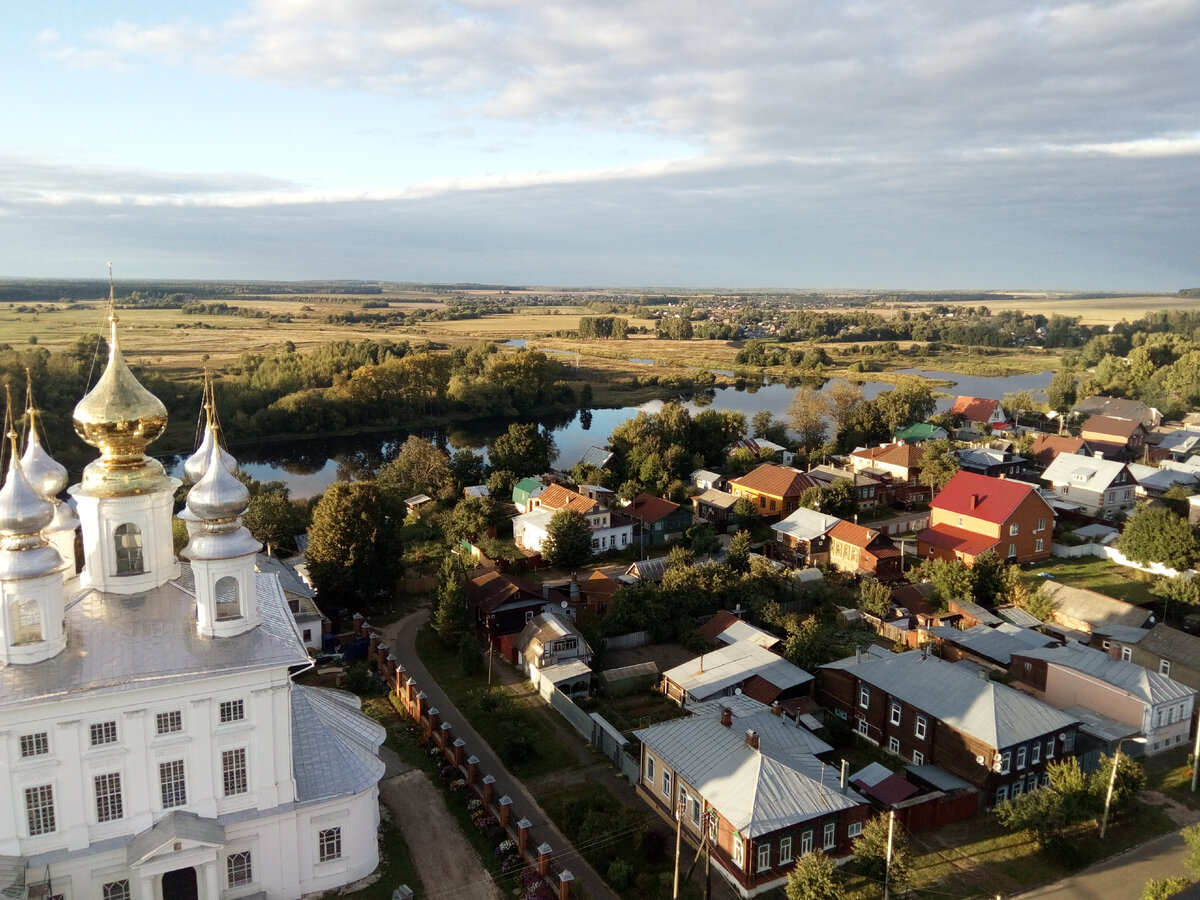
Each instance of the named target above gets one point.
<point>910,144</point>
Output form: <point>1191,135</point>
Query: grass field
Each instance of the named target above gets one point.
<point>1092,311</point>
<point>1094,574</point>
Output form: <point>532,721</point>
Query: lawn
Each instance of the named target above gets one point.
<point>635,710</point>
<point>1095,574</point>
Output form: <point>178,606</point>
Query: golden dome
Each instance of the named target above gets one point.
<point>119,417</point>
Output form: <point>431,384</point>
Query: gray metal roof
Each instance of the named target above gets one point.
<point>1078,470</point>
<point>993,713</point>
<point>1124,634</point>
<point>335,748</point>
<point>288,579</point>
<point>757,791</point>
<point>121,642</point>
<point>176,825</point>
<point>977,612</point>
<point>712,674</point>
<point>596,456</point>
<point>992,643</point>
<point>1101,726</point>
<point>805,524</point>
<point>1014,615</point>
<point>1147,686</point>
<point>1172,644</point>
<point>1091,607</point>
<point>938,777</point>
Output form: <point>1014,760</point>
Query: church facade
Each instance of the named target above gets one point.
<point>153,743</point>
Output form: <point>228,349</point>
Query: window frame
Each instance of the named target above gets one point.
<point>101,734</point>
<point>234,777</point>
<point>35,744</point>
<point>110,803</point>
<point>920,728</point>
<point>762,856</point>
<point>239,868</point>
<point>169,722</point>
<point>895,712</point>
<point>231,711</point>
<point>129,558</point>
<point>329,844</point>
<point>172,783</point>
<point>864,696</point>
<point>829,835</point>
<point>807,841</point>
<point>40,815</point>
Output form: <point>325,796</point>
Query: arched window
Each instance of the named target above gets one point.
<point>26,622</point>
<point>128,541</point>
<point>228,602</point>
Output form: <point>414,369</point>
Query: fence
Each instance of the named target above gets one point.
<point>627,641</point>
<point>1115,555</point>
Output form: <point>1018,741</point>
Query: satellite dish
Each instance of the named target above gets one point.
<point>1062,736</point>
<point>980,760</point>
<point>565,604</point>
<point>737,692</point>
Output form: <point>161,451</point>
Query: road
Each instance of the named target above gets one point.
<point>401,637</point>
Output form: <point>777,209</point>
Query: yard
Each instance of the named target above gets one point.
<point>1095,574</point>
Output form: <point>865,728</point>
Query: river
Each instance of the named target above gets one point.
<point>310,466</point>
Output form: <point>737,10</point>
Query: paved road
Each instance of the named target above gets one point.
<point>401,637</point>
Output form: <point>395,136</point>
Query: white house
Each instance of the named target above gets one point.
<point>152,742</point>
<point>609,531</point>
<point>1101,487</point>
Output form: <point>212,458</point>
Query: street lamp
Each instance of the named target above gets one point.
<point>1113,779</point>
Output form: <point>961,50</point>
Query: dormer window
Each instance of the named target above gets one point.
<point>228,602</point>
<point>26,622</point>
<point>127,540</point>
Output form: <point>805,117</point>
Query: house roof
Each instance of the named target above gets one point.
<point>757,791</point>
<point>993,713</point>
<point>716,498</point>
<point>1094,608</point>
<point>805,524</point>
<point>1015,615</point>
<point>1147,686</point>
<point>995,644</point>
<point>921,431</point>
<point>723,669</point>
<point>727,628</point>
<point>974,610</point>
<point>1182,440</point>
<point>983,457</point>
<point>706,475</point>
<point>1083,471</point>
<point>1047,446</point>
<point>957,540</point>
<point>557,497</point>
<point>1168,474</point>
<point>649,569</point>
<point>1118,407</point>
<point>777,481</point>
<point>897,453</point>
<point>597,457</point>
<point>1173,644</point>
<point>829,474</point>
<point>1110,426</point>
<point>974,409</point>
<point>649,508</point>
<point>525,488</point>
<point>491,590</point>
<point>850,533</point>
<point>981,497</point>
<point>548,626</point>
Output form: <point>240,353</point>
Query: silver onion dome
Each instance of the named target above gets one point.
<point>197,464</point>
<point>45,474</point>
<point>217,495</point>
<point>23,511</point>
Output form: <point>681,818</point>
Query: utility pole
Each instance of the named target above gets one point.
<point>887,871</point>
<point>678,845</point>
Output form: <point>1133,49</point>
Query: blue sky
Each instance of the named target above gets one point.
<point>799,144</point>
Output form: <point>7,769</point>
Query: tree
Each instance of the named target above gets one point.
<point>938,464</point>
<point>910,401</point>
<point>844,398</point>
<point>353,542</point>
<point>815,877</point>
<point>419,468</point>
<point>702,539</point>
<point>745,515</point>
<point>766,426</point>
<point>1049,813</point>
<point>524,448</point>
<point>273,518</point>
<point>470,519</point>
<point>808,412</point>
<point>1131,778</point>
<point>951,578</point>
<point>450,613</point>
<point>1180,589</point>
<point>1164,888</point>
<point>1191,835</point>
<point>874,597</point>
<point>988,577</point>
<point>568,539</point>
<point>1040,605</point>
<point>1018,404</point>
<point>871,852</point>
<point>1157,535</point>
<point>466,468</point>
<point>737,557</point>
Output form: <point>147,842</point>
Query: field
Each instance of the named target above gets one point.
<point>1092,311</point>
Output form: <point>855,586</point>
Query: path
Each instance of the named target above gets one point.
<point>401,637</point>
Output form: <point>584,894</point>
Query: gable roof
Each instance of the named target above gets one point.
<point>556,497</point>
<point>957,540</point>
<point>1147,686</point>
<point>1094,608</point>
<point>714,497</point>
<point>996,644</point>
<point>777,481</point>
<point>921,431</point>
<point>991,499</point>
<point>850,533</point>
<point>524,489</point>
<point>1110,426</point>
<point>974,409</point>
<point>649,508</point>
<point>597,457</point>
<point>721,670</point>
<point>491,590</point>
<point>1182,440</point>
<point>726,628</point>
<point>1119,407</point>
<point>805,524</point>
<point>1087,472</point>
<point>1047,446</point>
<point>897,453</point>
<point>1173,644</point>
<point>993,713</point>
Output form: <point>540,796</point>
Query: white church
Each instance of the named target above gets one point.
<point>153,745</point>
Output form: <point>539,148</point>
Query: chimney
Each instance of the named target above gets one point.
<point>752,738</point>
<point>845,775</point>
<point>726,716</point>
<point>776,709</point>
<point>974,500</point>
<point>545,591</point>
<point>858,653</point>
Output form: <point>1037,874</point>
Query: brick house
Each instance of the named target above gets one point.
<point>753,781</point>
<point>774,490</point>
<point>929,711</point>
<point>973,513</point>
<point>802,539</point>
<point>1120,439</point>
<point>658,520</point>
<point>899,463</point>
<point>857,549</point>
<point>1102,487</point>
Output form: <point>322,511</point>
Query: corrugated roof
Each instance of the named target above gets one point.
<point>993,713</point>
<point>721,670</point>
<point>726,628</point>
<point>991,643</point>
<point>805,524</point>
<point>756,791</point>
<point>1094,608</point>
<point>1017,616</point>
<point>1172,644</point>
<point>597,457</point>
<point>920,432</point>
<point>778,481</point>
<point>1147,686</point>
<point>994,498</point>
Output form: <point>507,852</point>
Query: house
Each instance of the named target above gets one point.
<point>1180,444</point>
<point>774,490</point>
<point>754,783</point>
<point>870,492</point>
<point>761,448</point>
<point>552,649</point>
<point>1120,408</point>
<point>1085,611</point>
<point>524,491</point>
<point>802,539</point>
<point>658,520</point>
<point>1113,438</point>
<point>915,434</point>
<point>706,480</point>
<point>602,495</point>
<point>756,671</point>
<point>480,491</point>
<point>991,647</point>
<point>414,503</point>
<point>155,744</point>
<point>1101,487</point>
<point>715,507</point>
<point>857,549</point>
<point>930,711</point>
<point>990,462</point>
<point>301,600</point>
<point>899,464</point>
<point>981,412</point>
<point>1073,675</point>
<point>596,458</point>
<point>727,628</point>
<point>1046,447</point>
<point>1167,651</point>
<point>502,604</point>
<point>973,513</point>
<point>646,570</point>
<point>1154,482</point>
<point>610,531</point>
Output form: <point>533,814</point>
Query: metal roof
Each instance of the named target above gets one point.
<point>992,643</point>
<point>1171,643</point>
<point>1147,686</point>
<point>1094,608</point>
<point>335,748</point>
<point>993,713</point>
<point>806,524</point>
<point>721,670</point>
<point>176,825</point>
<point>1077,470</point>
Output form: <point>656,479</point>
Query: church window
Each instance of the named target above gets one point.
<point>39,809</point>
<point>228,604</point>
<point>116,890</point>
<point>171,783</point>
<point>109,806</point>
<point>233,771</point>
<point>168,722</point>
<point>329,844</point>
<point>103,733</point>
<point>128,540</point>
<point>232,710</point>
<point>239,868</point>
<point>35,744</point>
<point>26,622</point>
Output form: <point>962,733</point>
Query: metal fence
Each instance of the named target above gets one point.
<point>628,641</point>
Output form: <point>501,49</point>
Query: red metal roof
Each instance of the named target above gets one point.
<point>649,508</point>
<point>974,409</point>
<point>896,454</point>
<point>981,497</point>
<point>857,535</point>
<point>758,688</point>
<point>776,481</point>
<point>957,540</point>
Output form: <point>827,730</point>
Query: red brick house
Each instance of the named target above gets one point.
<point>973,513</point>
<point>857,549</point>
<point>1122,440</point>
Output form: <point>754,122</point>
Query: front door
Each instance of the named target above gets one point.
<point>180,885</point>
